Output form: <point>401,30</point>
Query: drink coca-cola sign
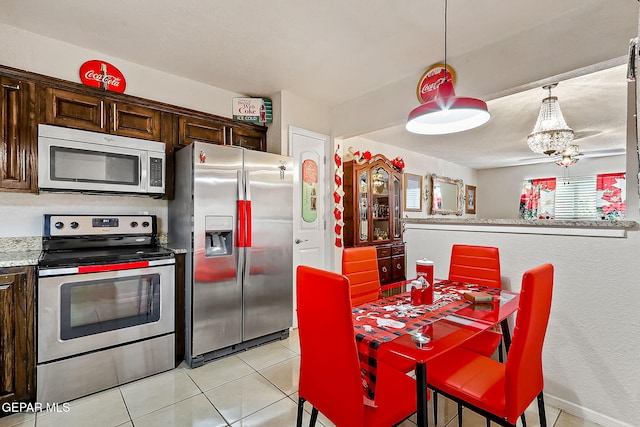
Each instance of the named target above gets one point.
<point>431,79</point>
<point>103,75</point>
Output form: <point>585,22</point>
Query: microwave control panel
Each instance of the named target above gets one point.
<point>155,172</point>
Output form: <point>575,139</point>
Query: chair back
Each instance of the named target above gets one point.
<point>475,264</point>
<point>523,376</point>
<point>360,265</point>
<point>329,366</point>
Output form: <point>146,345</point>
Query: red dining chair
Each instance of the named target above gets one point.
<point>479,265</point>
<point>501,392</point>
<point>330,376</point>
<point>360,265</point>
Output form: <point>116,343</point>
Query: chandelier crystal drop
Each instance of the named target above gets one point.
<point>551,134</point>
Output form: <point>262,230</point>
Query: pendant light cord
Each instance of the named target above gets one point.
<point>445,40</point>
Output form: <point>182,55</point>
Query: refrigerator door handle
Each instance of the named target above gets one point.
<point>241,210</point>
<point>242,238</point>
<point>249,219</point>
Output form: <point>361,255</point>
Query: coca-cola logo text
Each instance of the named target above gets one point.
<point>103,75</point>
<point>432,79</point>
<point>103,78</point>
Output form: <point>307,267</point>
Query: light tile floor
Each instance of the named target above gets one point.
<point>253,388</point>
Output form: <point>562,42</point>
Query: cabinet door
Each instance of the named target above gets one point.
<point>17,136</point>
<point>17,349</point>
<point>380,204</point>
<point>384,270</point>
<point>135,121</point>
<point>75,110</point>
<point>253,139</point>
<point>397,268</point>
<point>362,219</point>
<point>397,207</point>
<point>195,129</point>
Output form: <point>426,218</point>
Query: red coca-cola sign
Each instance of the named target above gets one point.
<point>103,75</point>
<point>431,79</point>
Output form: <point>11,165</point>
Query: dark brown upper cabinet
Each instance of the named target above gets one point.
<point>17,136</point>
<point>98,114</point>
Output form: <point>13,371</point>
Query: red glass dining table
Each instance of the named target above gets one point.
<point>420,333</point>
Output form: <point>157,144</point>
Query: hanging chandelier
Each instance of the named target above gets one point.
<point>446,112</point>
<point>551,134</point>
<point>568,156</point>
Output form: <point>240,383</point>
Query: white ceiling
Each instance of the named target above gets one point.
<point>333,51</point>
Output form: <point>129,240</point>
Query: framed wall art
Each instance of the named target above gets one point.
<point>470,198</point>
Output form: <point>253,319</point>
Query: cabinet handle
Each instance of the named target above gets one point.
<point>384,269</point>
<point>398,266</point>
<point>3,287</point>
<point>24,165</point>
<point>17,87</point>
<point>102,114</point>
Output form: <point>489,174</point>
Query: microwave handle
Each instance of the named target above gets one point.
<point>142,178</point>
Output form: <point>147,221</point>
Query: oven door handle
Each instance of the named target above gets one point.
<point>112,267</point>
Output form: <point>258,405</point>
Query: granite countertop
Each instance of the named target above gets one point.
<point>524,222</point>
<point>176,250</point>
<point>20,251</point>
<point>19,258</point>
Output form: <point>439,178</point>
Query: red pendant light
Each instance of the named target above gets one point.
<point>447,113</point>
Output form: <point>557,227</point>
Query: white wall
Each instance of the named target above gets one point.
<point>498,192</point>
<point>38,54</point>
<point>591,347</point>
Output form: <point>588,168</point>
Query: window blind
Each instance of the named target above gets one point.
<point>576,198</point>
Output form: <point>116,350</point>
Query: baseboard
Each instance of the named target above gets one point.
<point>582,412</point>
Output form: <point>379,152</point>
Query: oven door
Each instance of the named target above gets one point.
<point>80,313</point>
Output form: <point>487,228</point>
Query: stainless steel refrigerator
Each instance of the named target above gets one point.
<point>232,211</point>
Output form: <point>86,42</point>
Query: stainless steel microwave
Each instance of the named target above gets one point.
<point>78,160</point>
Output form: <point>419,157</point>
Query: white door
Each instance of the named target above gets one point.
<point>310,241</point>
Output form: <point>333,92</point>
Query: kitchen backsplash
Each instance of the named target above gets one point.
<point>22,213</point>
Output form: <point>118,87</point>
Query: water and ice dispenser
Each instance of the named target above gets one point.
<point>218,236</point>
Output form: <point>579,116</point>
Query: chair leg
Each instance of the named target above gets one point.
<point>488,422</point>
<point>314,417</point>
<point>524,420</point>
<point>435,407</point>
<point>541,411</point>
<point>500,358</point>
<point>300,409</point>
<point>459,414</point>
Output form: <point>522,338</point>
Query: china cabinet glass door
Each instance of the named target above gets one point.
<point>380,203</point>
<point>363,206</point>
<point>396,208</point>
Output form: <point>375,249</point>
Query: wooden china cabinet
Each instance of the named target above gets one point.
<point>372,213</point>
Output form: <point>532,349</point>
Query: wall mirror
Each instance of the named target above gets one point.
<point>412,193</point>
<point>446,195</point>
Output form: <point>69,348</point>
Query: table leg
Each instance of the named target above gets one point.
<point>421,384</point>
<point>506,335</point>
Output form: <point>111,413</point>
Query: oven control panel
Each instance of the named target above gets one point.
<point>85,225</point>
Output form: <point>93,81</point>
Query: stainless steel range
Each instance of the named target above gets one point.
<point>105,304</point>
